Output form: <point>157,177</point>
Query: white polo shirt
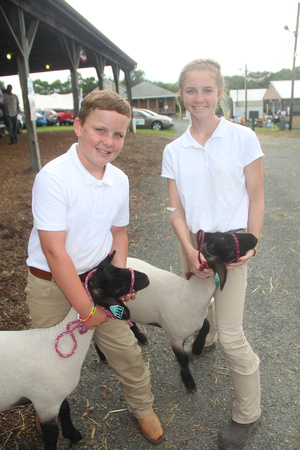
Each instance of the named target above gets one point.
<point>67,197</point>
<point>210,179</point>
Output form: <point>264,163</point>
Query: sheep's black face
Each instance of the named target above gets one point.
<point>109,283</point>
<point>220,249</point>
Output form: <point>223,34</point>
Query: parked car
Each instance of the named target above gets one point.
<point>41,120</point>
<point>155,121</point>
<point>50,115</point>
<point>65,117</point>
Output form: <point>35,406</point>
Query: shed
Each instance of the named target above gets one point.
<point>254,102</point>
<point>149,96</point>
<point>50,33</point>
<point>278,98</point>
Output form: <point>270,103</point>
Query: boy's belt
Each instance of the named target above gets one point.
<point>44,275</point>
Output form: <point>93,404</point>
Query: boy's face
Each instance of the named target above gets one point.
<point>100,139</point>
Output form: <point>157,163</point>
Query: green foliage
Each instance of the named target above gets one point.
<point>138,76</point>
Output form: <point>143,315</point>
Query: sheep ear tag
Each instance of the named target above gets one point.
<point>117,311</point>
<point>217,280</point>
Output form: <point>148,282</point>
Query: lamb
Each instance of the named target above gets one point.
<point>175,304</point>
<point>41,365</point>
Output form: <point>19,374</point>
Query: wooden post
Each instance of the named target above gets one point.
<point>293,72</point>
<point>16,32</point>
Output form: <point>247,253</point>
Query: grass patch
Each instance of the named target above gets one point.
<point>294,133</point>
<point>51,128</point>
<point>169,132</point>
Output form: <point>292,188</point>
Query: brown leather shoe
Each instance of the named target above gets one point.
<point>151,428</point>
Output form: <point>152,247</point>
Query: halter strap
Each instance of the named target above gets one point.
<point>203,264</point>
<point>237,249</point>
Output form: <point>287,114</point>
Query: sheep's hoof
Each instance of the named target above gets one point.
<point>188,380</point>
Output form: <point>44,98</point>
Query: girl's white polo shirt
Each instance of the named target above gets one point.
<point>210,179</point>
<point>67,197</point>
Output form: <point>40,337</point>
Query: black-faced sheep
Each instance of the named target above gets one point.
<point>35,366</point>
<point>175,303</point>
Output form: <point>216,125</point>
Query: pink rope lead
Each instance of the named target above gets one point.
<point>71,327</point>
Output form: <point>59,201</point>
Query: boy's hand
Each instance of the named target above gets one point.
<point>128,297</point>
<point>98,318</point>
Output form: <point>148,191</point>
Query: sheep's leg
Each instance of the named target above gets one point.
<point>185,373</point>
<point>139,335</point>
<point>49,431</point>
<point>68,429</point>
<point>199,342</point>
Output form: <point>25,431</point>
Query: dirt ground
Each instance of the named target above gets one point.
<point>271,322</point>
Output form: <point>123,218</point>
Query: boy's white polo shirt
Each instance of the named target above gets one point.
<point>67,197</point>
<point>210,179</point>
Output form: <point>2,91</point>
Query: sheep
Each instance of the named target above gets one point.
<point>32,369</point>
<point>175,303</point>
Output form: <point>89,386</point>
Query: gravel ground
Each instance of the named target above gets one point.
<point>192,420</point>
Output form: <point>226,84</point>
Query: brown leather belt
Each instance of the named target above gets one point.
<point>44,275</point>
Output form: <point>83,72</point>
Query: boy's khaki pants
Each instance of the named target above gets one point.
<point>48,306</point>
<point>226,317</point>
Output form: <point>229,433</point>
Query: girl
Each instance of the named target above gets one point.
<point>215,183</point>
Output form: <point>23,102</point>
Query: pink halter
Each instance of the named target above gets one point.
<point>203,264</point>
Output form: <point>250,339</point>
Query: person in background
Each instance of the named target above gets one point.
<point>215,183</point>
<point>10,108</point>
<point>80,207</point>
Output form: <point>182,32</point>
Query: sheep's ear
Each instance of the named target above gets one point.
<point>218,267</point>
<point>118,308</point>
<point>108,259</point>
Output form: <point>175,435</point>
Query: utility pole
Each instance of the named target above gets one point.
<point>246,95</point>
<point>293,71</point>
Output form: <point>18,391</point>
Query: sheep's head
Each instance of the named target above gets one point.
<point>220,248</point>
<point>108,283</point>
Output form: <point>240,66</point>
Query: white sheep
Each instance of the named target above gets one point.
<point>33,366</point>
<point>175,303</point>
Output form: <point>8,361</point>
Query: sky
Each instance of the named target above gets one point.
<point>163,36</point>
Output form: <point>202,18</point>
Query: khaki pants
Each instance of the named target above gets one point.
<point>226,317</point>
<point>48,306</point>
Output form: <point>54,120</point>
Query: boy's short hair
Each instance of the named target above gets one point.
<point>104,100</point>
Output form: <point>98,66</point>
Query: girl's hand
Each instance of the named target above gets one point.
<point>195,266</point>
<point>243,259</point>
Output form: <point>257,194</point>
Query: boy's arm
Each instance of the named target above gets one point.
<point>120,244</point>
<point>66,277</point>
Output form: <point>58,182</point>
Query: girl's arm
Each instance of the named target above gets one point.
<point>182,231</point>
<point>66,277</point>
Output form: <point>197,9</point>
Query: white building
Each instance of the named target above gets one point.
<point>237,99</point>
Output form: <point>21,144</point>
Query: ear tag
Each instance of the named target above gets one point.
<point>217,280</point>
<point>117,311</point>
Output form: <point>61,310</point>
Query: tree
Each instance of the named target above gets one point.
<point>88,85</point>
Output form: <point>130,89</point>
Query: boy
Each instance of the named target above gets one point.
<point>80,207</point>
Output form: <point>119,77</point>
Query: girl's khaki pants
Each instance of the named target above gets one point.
<point>226,320</point>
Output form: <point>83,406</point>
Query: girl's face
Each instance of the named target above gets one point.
<point>100,139</point>
<point>200,94</point>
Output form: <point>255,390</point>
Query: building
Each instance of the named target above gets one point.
<point>278,99</point>
<point>148,96</point>
<point>237,99</point>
